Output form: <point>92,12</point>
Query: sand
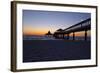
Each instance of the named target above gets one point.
<point>54,50</point>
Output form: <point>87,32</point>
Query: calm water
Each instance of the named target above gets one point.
<point>51,38</point>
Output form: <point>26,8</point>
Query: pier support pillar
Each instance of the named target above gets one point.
<point>73,36</point>
<point>85,34</point>
<point>63,36</point>
<point>67,36</point>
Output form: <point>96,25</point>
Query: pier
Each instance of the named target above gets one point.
<point>84,25</point>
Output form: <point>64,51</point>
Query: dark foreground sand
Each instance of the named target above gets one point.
<point>54,50</point>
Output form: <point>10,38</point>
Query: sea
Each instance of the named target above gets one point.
<point>52,38</point>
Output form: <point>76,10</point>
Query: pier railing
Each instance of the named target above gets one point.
<point>81,26</point>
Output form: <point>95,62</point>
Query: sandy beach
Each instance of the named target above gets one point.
<point>54,50</point>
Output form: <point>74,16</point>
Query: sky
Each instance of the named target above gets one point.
<point>37,22</point>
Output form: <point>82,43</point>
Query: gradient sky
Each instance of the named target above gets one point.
<point>40,22</point>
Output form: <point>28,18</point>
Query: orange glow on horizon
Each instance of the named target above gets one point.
<point>34,31</point>
<point>42,31</point>
<point>82,33</point>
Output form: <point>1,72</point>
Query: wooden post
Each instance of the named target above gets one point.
<point>63,36</point>
<point>85,34</point>
<point>73,36</point>
<point>67,36</point>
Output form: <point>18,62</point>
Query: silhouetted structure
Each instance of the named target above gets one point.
<point>48,34</point>
<point>81,26</point>
<point>59,36</point>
